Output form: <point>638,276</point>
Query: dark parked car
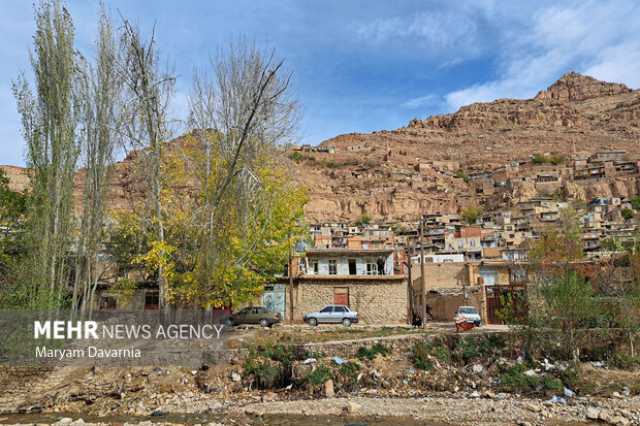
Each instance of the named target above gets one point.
<point>332,314</point>
<point>254,315</point>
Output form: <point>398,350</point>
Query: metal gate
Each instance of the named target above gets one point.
<point>273,298</point>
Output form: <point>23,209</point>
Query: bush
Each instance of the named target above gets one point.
<point>627,214</point>
<point>423,351</point>
<point>552,383</point>
<point>321,374</point>
<point>513,379</point>
<point>625,362</point>
<point>460,174</point>
<point>547,159</point>
<point>370,353</point>
<point>296,156</point>
<point>364,220</point>
<point>348,374</point>
<point>266,373</point>
<point>471,214</point>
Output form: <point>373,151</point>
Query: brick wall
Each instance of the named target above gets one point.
<point>377,301</point>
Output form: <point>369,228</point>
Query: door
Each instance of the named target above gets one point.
<point>341,296</point>
<point>352,267</point>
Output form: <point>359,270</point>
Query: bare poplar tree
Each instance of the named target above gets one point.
<point>49,119</point>
<point>238,118</point>
<point>101,119</point>
<point>147,123</point>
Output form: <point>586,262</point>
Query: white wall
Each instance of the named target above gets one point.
<point>342,264</point>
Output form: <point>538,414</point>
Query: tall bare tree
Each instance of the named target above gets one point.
<point>147,124</point>
<point>49,119</point>
<point>100,100</point>
<point>239,116</point>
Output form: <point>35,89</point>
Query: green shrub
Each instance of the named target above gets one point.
<point>433,348</point>
<point>552,383</point>
<point>364,220</point>
<point>513,379</point>
<point>421,354</point>
<point>460,174</point>
<point>350,370</point>
<point>627,214</point>
<point>547,159</point>
<point>321,374</point>
<point>471,214</point>
<point>296,156</point>
<point>370,353</point>
<point>266,373</point>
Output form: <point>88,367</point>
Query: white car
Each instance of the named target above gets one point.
<point>332,314</point>
<point>468,314</point>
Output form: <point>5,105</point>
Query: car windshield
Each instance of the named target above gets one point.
<point>467,310</point>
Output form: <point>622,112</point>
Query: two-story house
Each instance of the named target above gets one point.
<point>363,279</point>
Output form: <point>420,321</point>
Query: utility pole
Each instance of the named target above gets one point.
<point>423,281</point>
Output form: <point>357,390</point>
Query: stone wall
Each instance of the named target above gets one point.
<point>377,301</point>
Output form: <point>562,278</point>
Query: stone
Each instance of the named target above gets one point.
<point>65,421</point>
<point>352,407</point>
<point>328,389</point>
<point>477,368</point>
<point>236,377</point>
<point>592,413</point>
<point>533,407</point>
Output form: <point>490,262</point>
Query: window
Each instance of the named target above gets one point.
<point>333,267</point>
<point>372,269</point>
<point>326,310</point>
<point>341,296</point>
<point>315,267</point>
<point>352,267</point>
<point>339,309</point>
<point>151,300</point>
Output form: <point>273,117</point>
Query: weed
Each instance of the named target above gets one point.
<point>513,379</point>
<point>320,375</point>
<point>370,353</point>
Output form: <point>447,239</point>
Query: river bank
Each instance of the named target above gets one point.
<point>433,380</point>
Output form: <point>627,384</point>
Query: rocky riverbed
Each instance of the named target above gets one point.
<point>444,381</point>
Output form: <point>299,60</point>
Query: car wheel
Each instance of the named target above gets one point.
<point>313,322</point>
<point>346,322</point>
<point>264,323</point>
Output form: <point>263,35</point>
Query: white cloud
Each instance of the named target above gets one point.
<point>436,31</point>
<point>421,101</point>
<point>595,38</point>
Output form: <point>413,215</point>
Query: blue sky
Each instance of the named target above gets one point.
<point>367,65</point>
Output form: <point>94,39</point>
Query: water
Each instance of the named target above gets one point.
<point>190,419</point>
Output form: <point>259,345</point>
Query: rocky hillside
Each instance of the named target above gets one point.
<point>396,175</point>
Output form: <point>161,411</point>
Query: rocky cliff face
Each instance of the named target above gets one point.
<point>398,175</point>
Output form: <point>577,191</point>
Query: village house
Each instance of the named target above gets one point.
<point>363,279</point>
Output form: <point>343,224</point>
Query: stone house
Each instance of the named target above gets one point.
<point>481,284</point>
<point>466,240</point>
<point>363,279</point>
